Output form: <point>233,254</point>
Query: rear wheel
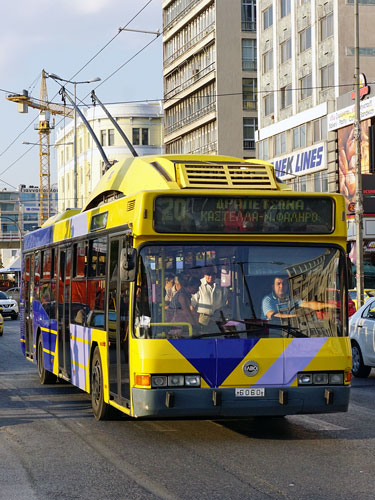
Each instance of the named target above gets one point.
<point>99,407</point>
<point>359,368</point>
<point>45,376</point>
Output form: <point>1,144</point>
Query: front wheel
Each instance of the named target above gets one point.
<point>99,407</point>
<point>359,368</point>
<point>45,376</point>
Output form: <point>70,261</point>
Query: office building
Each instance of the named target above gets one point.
<point>142,124</point>
<point>210,80</point>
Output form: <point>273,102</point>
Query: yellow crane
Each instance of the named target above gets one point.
<point>44,129</point>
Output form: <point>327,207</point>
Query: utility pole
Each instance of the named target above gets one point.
<point>359,194</point>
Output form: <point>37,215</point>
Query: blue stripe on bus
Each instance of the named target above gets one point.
<point>37,238</point>
<point>214,359</point>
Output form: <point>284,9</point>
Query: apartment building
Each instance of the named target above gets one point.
<point>143,126</point>
<point>305,74</point>
<point>210,79</point>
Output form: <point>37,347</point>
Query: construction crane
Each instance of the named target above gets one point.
<point>44,129</point>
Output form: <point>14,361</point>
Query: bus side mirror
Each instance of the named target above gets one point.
<point>128,259</point>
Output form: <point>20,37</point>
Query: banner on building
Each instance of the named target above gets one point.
<point>301,162</point>
<point>347,161</point>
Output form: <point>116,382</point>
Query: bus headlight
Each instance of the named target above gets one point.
<point>175,380</point>
<point>336,378</point>
<point>192,380</point>
<point>304,378</point>
<point>320,378</point>
<point>159,381</point>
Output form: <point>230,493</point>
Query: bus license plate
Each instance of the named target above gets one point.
<point>249,392</point>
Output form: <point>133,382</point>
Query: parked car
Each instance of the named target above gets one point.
<point>9,306</point>
<point>362,337</point>
<point>1,323</point>
<point>14,293</point>
<point>367,293</point>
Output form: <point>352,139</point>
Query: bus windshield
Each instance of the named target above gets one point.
<point>198,291</point>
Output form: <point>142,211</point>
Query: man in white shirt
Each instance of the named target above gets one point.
<point>210,298</point>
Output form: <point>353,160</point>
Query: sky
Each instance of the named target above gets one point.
<point>79,40</point>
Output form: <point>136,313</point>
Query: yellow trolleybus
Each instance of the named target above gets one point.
<point>153,297</point>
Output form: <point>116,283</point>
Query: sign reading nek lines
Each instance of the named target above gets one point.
<point>302,162</point>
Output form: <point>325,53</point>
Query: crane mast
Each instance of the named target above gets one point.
<point>44,128</point>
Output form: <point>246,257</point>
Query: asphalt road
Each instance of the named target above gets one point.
<point>52,448</point>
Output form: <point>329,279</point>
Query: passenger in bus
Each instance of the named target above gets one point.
<point>179,309</point>
<point>170,288</point>
<point>278,303</point>
<point>210,299</point>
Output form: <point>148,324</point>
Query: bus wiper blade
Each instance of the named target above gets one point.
<point>295,332</point>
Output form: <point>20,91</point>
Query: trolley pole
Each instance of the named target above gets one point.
<point>359,193</point>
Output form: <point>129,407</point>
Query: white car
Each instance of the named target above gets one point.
<point>9,306</point>
<point>362,337</point>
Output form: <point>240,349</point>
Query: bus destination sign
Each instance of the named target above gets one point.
<point>233,214</point>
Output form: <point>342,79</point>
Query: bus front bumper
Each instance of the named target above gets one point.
<point>211,403</point>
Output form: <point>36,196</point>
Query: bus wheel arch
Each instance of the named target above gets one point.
<point>99,407</point>
<point>45,376</point>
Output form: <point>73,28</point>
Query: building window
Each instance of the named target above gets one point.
<point>249,127</point>
<point>249,15</point>
<point>305,39</point>
<point>299,136</point>
<point>280,144</point>
<point>321,182</point>
<point>103,137</point>
<point>320,129</point>
<point>267,18</point>
<point>249,54</point>
<point>263,149</point>
<point>135,140</point>
<point>286,96</point>
<point>268,104</point>
<point>145,137</point>
<point>139,133</point>
<point>111,137</point>
<point>306,86</point>
<point>249,94</point>
<point>300,183</point>
<point>327,76</point>
<point>285,7</point>
<point>286,50</point>
<point>326,26</point>
<point>268,61</point>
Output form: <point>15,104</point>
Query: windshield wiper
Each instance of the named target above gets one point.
<point>295,332</point>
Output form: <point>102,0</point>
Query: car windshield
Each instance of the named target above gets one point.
<point>3,296</point>
<point>198,291</point>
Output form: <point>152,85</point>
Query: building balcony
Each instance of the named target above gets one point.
<point>189,5</point>
<point>193,41</point>
<point>249,65</point>
<point>191,118</point>
<point>249,25</point>
<point>249,144</point>
<point>190,81</point>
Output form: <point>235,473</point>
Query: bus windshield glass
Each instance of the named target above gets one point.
<point>197,291</point>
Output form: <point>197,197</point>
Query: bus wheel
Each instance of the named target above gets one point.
<point>99,407</point>
<point>45,376</point>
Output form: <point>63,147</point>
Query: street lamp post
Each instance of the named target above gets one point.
<point>75,168</point>
<point>359,194</point>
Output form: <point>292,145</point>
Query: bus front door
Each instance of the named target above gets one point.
<point>63,313</point>
<point>118,327</point>
<point>28,285</point>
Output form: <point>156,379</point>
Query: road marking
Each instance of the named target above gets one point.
<point>315,423</point>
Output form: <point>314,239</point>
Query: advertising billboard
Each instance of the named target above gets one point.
<point>347,161</point>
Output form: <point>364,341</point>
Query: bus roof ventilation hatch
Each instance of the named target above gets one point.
<point>225,175</point>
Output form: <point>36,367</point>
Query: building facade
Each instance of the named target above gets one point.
<point>305,73</point>
<point>142,124</point>
<point>210,79</point>
<point>19,214</point>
